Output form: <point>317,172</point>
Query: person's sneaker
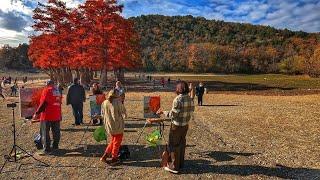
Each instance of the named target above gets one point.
<point>113,162</point>
<point>170,170</point>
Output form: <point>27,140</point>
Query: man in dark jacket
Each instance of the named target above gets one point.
<point>199,93</point>
<point>76,96</point>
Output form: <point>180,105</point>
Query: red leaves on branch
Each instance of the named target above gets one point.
<point>90,36</point>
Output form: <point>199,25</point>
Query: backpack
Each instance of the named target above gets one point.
<point>124,152</point>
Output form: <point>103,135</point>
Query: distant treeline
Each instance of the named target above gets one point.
<point>15,58</point>
<point>195,44</point>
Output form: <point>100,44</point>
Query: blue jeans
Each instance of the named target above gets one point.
<point>77,113</point>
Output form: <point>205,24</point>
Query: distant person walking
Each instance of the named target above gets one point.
<point>180,115</point>
<point>76,96</point>
<point>154,83</point>
<point>162,82</point>
<point>192,91</point>
<point>169,80</point>
<point>113,112</point>
<point>120,91</point>
<point>1,91</point>
<point>199,93</point>
<point>14,90</point>
<point>49,111</point>
<point>97,91</point>
<point>25,79</point>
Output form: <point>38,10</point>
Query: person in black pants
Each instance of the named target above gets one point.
<point>199,93</point>
<point>76,96</point>
<point>1,93</point>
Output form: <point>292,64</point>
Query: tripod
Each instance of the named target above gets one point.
<point>15,147</point>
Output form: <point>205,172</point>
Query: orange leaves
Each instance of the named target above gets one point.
<point>90,36</point>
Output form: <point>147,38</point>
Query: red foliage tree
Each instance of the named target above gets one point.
<point>89,38</point>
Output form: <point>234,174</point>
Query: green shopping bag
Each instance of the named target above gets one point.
<point>100,134</point>
<point>154,138</point>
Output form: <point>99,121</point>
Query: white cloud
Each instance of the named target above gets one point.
<point>73,3</point>
<point>295,16</point>
<point>18,6</point>
<point>12,38</point>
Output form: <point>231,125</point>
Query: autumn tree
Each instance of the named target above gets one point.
<point>89,38</point>
<point>315,62</point>
<point>51,21</point>
<point>111,37</point>
<point>201,57</point>
<point>293,65</point>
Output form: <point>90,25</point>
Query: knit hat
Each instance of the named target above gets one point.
<point>49,82</point>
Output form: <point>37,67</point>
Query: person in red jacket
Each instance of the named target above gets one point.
<point>49,111</point>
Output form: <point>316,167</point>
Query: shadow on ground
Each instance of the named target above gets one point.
<point>142,156</point>
<point>204,166</point>
<point>221,156</point>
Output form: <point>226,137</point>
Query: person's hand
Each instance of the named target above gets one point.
<point>35,121</point>
<point>125,116</point>
<point>159,112</point>
<point>35,117</point>
<point>150,121</point>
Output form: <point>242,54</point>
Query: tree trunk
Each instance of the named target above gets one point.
<point>51,75</point>
<point>91,75</point>
<point>68,78</point>
<point>78,73</point>
<point>84,77</point>
<point>103,76</point>
<point>63,74</point>
<point>58,75</point>
<point>119,74</point>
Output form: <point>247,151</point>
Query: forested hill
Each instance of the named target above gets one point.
<point>186,43</point>
<point>195,44</point>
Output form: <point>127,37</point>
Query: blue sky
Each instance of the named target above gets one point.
<point>15,16</point>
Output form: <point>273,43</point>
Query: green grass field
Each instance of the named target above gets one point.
<point>269,80</point>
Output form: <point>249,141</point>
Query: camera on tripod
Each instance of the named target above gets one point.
<point>12,105</point>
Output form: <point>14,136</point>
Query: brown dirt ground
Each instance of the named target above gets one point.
<point>233,136</point>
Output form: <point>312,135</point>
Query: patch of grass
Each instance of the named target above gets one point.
<point>20,74</point>
<point>270,80</point>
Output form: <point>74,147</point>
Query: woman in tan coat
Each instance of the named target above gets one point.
<point>113,113</point>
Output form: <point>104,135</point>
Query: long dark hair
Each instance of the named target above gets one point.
<point>182,88</point>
